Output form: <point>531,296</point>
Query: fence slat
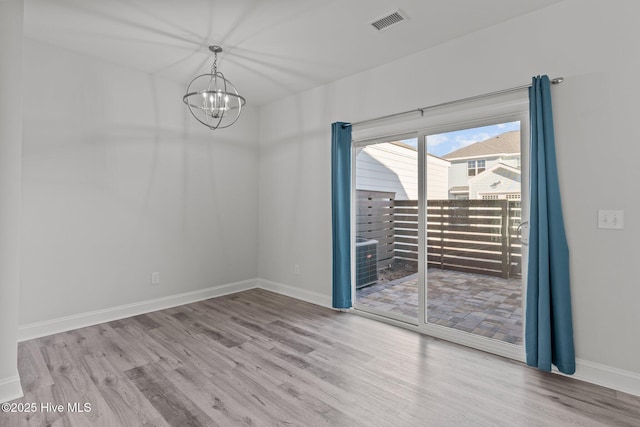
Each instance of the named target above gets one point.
<point>406,218</point>
<point>464,235</point>
<point>375,221</point>
<point>478,236</point>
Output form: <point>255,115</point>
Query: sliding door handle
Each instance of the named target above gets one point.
<point>523,236</point>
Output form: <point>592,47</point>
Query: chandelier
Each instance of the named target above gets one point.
<point>212,99</point>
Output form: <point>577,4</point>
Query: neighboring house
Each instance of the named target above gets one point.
<point>437,178</point>
<point>393,167</point>
<point>488,169</point>
<point>501,181</point>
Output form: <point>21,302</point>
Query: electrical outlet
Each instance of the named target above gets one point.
<point>612,220</point>
<point>296,268</point>
<point>155,278</point>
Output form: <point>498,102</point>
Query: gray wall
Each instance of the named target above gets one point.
<point>119,181</point>
<point>595,111</point>
<point>11,13</point>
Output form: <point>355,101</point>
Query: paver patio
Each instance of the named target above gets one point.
<point>484,305</point>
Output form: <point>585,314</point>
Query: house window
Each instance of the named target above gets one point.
<point>471,168</point>
<point>490,197</point>
<point>493,196</point>
<point>476,167</point>
<point>481,166</point>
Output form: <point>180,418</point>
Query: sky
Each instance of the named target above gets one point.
<point>444,143</point>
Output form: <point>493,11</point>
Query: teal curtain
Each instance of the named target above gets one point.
<point>341,213</point>
<point>548,323</point>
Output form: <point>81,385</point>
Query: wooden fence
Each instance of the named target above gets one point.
<point>375,220</point>
<point>477,236</point>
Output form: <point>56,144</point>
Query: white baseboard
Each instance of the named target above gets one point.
<point>67,323</point>
<point>10,389</point>
<point>297,293</point>
<point>607,376</point>
<point>595,373</point>
<point>40,329</point>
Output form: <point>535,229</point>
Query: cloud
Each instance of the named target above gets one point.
<point>508,126</point>
<point>465,140</point>
<point>435,140</point>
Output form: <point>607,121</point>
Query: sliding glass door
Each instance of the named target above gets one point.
<point>437,220</point>
<point>474,258</point>
<point>386,228</point>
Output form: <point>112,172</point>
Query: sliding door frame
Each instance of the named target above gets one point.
<point>355,145</point>
<point>501,348</point>
<point>513,111</point>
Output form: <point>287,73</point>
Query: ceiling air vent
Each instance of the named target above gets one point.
<point>389,19</point>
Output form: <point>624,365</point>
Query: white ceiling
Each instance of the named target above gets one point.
<point>272,48</point>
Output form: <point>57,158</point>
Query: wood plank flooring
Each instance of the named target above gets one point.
<point>257,358</point>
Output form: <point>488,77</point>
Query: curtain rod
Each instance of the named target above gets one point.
<point>555,81</point>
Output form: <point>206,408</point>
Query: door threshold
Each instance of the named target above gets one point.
<point>488,345</point>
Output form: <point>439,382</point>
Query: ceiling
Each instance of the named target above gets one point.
<point>272,48</point>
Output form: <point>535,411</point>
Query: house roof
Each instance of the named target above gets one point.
<point>459,189</point>
<point>499,165</point>
<point>412,148</point>
<point>505,143</point>
<point>403,145</point>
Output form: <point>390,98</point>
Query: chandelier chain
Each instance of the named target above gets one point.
<point>214,66</point>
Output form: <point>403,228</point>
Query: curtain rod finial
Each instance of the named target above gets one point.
<point>557,80</point>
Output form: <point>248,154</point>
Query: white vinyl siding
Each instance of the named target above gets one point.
<point>437,178</point>
<point>459,168</point>
<point>497,181</point>
<point>394,168</point>
<point>388,167</point>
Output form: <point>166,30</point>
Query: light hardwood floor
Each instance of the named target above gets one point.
<point>258,358</point>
